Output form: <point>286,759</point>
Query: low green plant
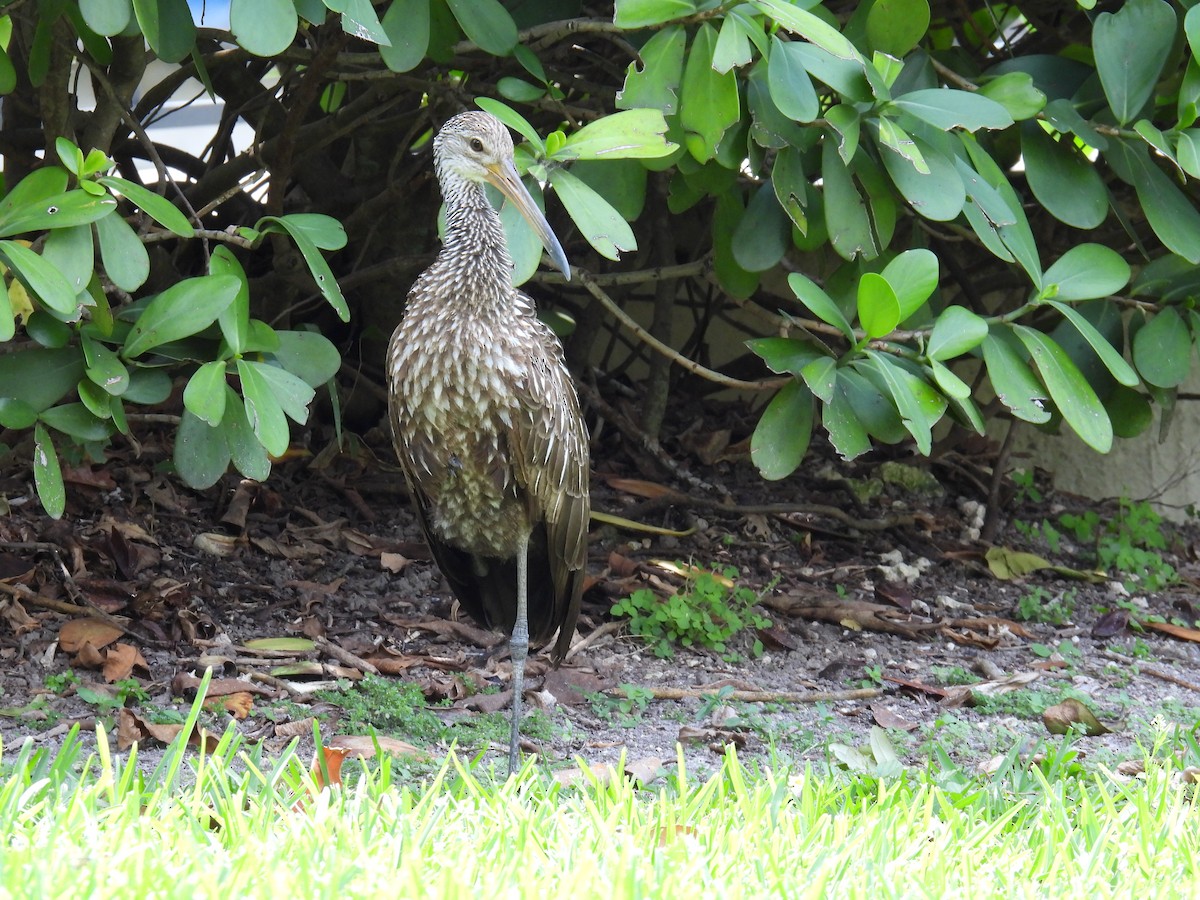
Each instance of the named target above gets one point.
<point>1039,604</point>
<point>1131,542</point>
<point>626,709</point>
<point>706,613</point>
<point>1023,481</point>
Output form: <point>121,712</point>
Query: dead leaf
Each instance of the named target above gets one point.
<point>641,488</point>
<point>88,657</point>
<point>296,728</point>
<point>185,684</point>
<point>645,771</point>
<point>120,662</point>
<point>394,562</point>
<point>133,728</point>
<point>214,544</point>
<point>621,566</point>
<point>1059,718</point>
<point>13,614</point>
<point>777,638</point>
<point>237,705</point>
<point>1175,631</point>
<point>487,703</point>
<point>1007,564</point>
<point>885,718</point>
<point>77,632</point>
<point>586,774</point>
<point>714,737</point>
<point>569,684</point>
<point>341,747</point>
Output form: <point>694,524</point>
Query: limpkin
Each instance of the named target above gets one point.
<point>485,418</point>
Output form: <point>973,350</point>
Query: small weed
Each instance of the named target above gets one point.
<point>953,675</point>
<point>706,613</point>
<point>59,682</point>
<point>1023,480</point>
<point>625,710</point>
<point>1131,543</point>
<point>1040,605</point>
<point>873,676</point>
<point>1027,704</point>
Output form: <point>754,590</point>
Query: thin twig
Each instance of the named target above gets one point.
<point>668,693</point>
<point>1173,679</point>
<point>606,629</point>
<point>343,655</point>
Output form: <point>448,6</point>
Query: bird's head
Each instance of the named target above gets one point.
<point>476,147</point>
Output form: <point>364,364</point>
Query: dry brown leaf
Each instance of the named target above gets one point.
<point>237,705</point>
<point>394,562</point>
<point>885,718</point>
<point>297,728</point>
<point>1175,631</point>
<point>215,544</point>
<point>645,770</point>
<point>586,774</point>
<point>88,657</point>
<point>14,615</point>
<point>133,728</point>
<point>1059,718</point>
<point>185,684</point>
<point>487,703</point>
<point>120,662</point>
<point>641,488</point>
<point>77,632</point>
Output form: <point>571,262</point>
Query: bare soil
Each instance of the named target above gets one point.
<point>880,598</point>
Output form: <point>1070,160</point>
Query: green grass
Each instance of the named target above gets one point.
<point>236,824</point>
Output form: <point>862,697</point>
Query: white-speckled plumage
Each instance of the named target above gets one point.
<point>485,418</point>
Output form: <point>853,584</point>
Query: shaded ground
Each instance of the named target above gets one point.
<point>886,623</point>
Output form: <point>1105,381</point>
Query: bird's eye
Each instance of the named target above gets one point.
<point>477,145</point>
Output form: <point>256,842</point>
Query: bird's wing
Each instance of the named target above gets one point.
<point>549,446</point>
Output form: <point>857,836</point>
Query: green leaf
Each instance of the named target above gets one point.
<point>317,265</point>
<point>801,22</point>
<point>1016,93</point>
<point>913,276</point>
<point>655,84</point>
<point>32,190</point>
<point>709,103</point>
<point>846,214</point>
<point>821,377</point>
<point>124,256</point>
<point>733,45</point>
<point>951,384</point>
<point>518,90</point>
<point>513,120</point>
<point>148,386</point>
<point>785,355</point>
<point>1169,213</point>
<point>39,277</point>
<point>406,24</point>
<point>847,77</point>
<point>359,20</point>
<point>946,108</point>
<point>168,27</point>
<point>71,251</point>
<point>180,311</point>
<point>956,331</point>
<point>846,432</point>
<point>77,421</point>
<point>291,392</point>
<point>55,211</point>
<point>632,14</point>
<point>782,435</point>
<point>600,224</point>
<point>47,476</point>
<point>1108,354</point>
<point>939,195</point>
<point>1162,349</point>
<point>791,88</point>
<point>878,310</point>
<point>764,233</point>
<point>204,395</point>
<point>16,414</point>
<point>40,377</point>
<point>846,123</point>
<point>991,192</point>
<point>874,409</point>
<point>235,320</point>
<point>1062,179</point>
<point>1013,382</point>
<point>896,26</point>
<point>201,452</point>
<point>248,454</point>
<point>263,411</point>
<point>264,27</point>
<point>8,73</point>
<point>310,356</point>
<point>106,17</point>
<point>325,232</point>
<point>104,368</point>
<point>1074,397</point>
<point>633,134</point>
<point>1085,272</point>
<point>1129,410</point>
<point>898,141</point>
<point>820,303</point>
<point>486,24</point>
<point>160,209</point>
<point>919,405</point>
<point>1130,48</point>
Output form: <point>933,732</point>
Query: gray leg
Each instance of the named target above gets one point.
<point>518,648</point>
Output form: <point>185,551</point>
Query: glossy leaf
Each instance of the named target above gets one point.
<point>486,24</point>
<point>896,26</point>
<point>819,303</point>
<point>653,82</point>
<point>235,319</point>
<point>359,20</point>
<point>180,311</point>
<point>246,451</point>
<point>1169,213</point>
<point>939,195</point>
<point>791,88</point>
<point>785,355</point>
<point>264,27</point>
<point>782,435</point>
<point>59,210</point>
<point>292,394</point>
<point>1131,47</point>
<point>1014,382</point>
<point>39,276</point>
<point>1085,272</point>
<point>308,355</point>
<point>947,108</point>
<point>47,475</point>
<point>802,22</point>
<point>263,411</point>
<point>919,405</point>
<point>635,133</point>
<point>846,431</point>
<point>77,421</point>
<point>1074,397</point>
<point>159,208</point>
<point>1062,180</point>
<point>204,395</point>
<point>1015,91</point>
<point>846,215</point>
<point>764,234</point>
<point>913,276</point>
<point>168,27</point>
<point>72,253</point>
<point>106,17</point>
<point>104,368</point>
<point>125,259</point>
<point>1109,355</point>
<point>1162,349</point>
<point>641,13</point>
<point>600,224</point>
<point>201,452</point>
<point>406,24</point>
<point>878,309</point>
<point>709,102</point>
<point>956,331</point>
<point>321,273</point>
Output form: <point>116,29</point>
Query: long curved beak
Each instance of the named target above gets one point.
<point>505,179</point>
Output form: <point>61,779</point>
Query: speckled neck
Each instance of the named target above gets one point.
<point>475,251</point>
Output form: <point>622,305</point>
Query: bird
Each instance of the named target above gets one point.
<point>485,418</point>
